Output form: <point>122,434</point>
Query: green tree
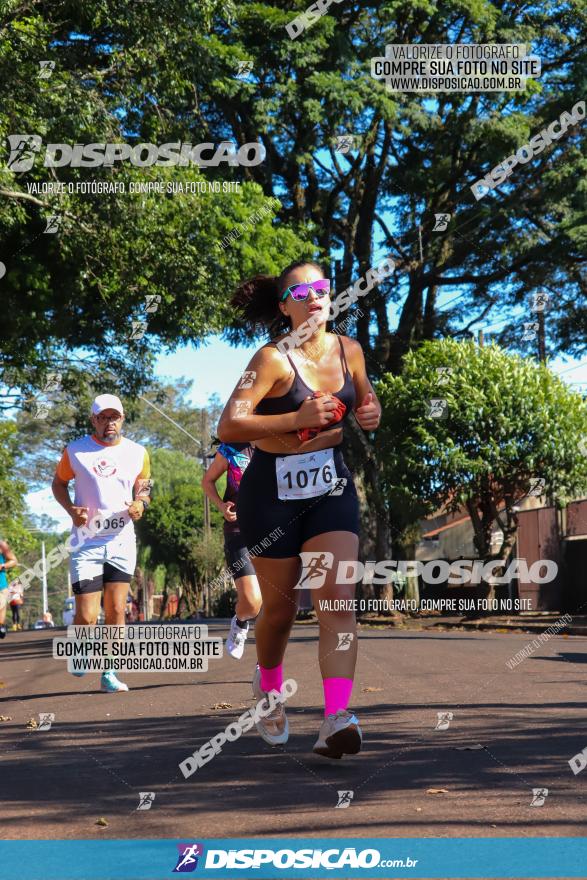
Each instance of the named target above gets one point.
<point>72,296</point>
<point>29,554</point>
<point>13,519</point>
<point>509,421</point>
<point>173,527</point>
<point>418,156</point>
<point>160,72</point>
<point>158,418</point>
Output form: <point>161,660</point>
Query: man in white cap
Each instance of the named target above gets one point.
<point>109,472</point>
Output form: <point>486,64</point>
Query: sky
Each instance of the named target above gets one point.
<point>215,368</point>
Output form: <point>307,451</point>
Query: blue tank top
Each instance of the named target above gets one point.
<point>3,577</point>
<point>299,391</point>
<point>238,456</point>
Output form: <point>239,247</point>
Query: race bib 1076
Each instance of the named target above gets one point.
<point>305,476</point>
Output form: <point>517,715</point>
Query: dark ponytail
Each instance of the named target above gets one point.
<point>257,300</point>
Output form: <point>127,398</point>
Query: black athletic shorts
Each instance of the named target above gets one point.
<point>276,528</point>
<point>110,575</point>
<point>237,557</point>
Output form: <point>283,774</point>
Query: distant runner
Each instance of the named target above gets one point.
<point>7,560</point>
<point>108,470</point>
<point>16,600</point>
<point>232,459</point>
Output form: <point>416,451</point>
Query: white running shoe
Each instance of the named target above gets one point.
<point>273,727</point>
<point>339,735</point>
<point>110,684</point>
<point>235,643</point>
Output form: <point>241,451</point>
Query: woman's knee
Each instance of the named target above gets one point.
<point>337,621</point>
<point>279,617</point>
<point>248,608</point>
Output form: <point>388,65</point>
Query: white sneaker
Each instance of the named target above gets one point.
<point>339,735</point>
<point>273,727</point>
<point>235,643</point>
<point>110,684</point>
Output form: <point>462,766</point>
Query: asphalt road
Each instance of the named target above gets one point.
<point>104,749</point>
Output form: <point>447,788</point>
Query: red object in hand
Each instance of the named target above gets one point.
<point>337,414</point>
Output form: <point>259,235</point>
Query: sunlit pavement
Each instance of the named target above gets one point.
<point>512,731</point>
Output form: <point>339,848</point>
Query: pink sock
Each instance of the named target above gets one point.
<point>337,693</point>
<point>271,679</point>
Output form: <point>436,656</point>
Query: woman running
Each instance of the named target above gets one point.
<point>297,486</point>
<point>233,459</point>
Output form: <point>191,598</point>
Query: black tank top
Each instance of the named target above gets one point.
<point>299,391</point>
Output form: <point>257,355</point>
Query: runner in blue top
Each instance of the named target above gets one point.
<point>232,459</point>
<point>7,560</point>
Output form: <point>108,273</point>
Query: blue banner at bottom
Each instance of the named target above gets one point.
<point>271,858</point>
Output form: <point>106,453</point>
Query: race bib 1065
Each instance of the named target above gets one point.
<point>108,522</point>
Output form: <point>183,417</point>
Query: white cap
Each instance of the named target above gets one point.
<point>107,401</point>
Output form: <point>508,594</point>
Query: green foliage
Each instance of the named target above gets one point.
<point>509,422</point>
<point>119,75</point>
<point>155,419</point>
<point>173,526</point>
<point>13,522</point>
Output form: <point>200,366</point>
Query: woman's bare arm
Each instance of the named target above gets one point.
<point>238,422</point>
